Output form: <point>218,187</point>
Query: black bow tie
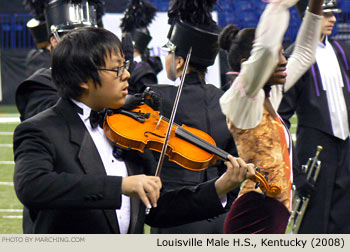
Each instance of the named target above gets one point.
<point>96,118</point>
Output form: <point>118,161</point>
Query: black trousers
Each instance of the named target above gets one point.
<point>328,208</point>
<point>212,226</point>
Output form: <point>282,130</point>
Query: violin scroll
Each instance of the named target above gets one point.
<point>270,190</point>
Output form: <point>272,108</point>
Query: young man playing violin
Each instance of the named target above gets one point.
<point>65,172</point>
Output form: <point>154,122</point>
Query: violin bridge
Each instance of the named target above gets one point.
<point>160,119</point>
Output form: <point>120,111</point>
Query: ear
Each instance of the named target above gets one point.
<point>179,63</point>
<point>85,86</point>
<point>53,41</point>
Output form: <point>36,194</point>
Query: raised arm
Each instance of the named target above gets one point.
<point>304,50</point>
<point>309,34</point>
<point>246,91</point>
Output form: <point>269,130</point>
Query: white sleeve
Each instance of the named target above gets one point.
<point>303,55</point>
<point>243,102</point>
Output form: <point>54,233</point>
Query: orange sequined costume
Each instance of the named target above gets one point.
<point>265,146</point>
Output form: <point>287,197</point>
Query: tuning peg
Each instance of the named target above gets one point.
<point>257,184</point>
<point>267,179</point>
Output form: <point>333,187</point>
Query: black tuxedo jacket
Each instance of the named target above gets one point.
<point>36,93</point>
<point>307,97</point>
<point>59,176</point>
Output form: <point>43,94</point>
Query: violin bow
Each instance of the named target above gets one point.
<point>172,117</point>
<point>173,112</point>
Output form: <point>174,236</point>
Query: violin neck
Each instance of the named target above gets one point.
<point>190,137</point>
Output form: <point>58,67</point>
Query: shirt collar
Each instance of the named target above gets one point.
<point>325,44</point>
<point>85,108</point>
<point>138,59</point>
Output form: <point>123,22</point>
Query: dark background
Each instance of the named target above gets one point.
<point>16,41</point>
<point>13,59</point>
<point>16,6</point>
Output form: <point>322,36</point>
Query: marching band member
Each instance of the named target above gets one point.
<point>321,100</point>
<point>250,107</point>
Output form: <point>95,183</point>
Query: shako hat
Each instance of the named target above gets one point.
<point>331,6</point>
<point>65,15</point>
<point>192,26</point>
<point>37,24</point>
<point>328,6</point>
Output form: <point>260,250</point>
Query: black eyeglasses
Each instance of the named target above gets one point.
<point>118,70</point>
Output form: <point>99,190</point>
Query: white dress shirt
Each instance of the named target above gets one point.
<point>112,166</point>
<point>332,82</point>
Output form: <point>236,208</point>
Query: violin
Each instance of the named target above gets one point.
<point>144,128</point>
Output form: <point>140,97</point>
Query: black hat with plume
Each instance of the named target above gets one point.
<point>192,25</point>
<point>137,16</point>
<point>328,6</point>
<point>37,25</point>
<point>331,6</point>
<point>65,15</point>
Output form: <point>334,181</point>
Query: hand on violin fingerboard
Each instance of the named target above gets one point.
<point>237,171</point>
<point>147,188</point>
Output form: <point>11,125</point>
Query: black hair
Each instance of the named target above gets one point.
<point>237,43</point>
<point>77,57</point>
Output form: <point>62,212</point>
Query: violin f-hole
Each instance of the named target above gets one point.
<point>154,134</point>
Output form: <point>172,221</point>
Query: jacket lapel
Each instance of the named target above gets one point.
<point>88,154</point>
<point>92,163</point>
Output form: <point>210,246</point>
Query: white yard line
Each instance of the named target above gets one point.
<point>12,210</point>
<point>6,183</point>
<point>7,162</point>
<point>5,133</point>
<point>9,115</point>
<point>12,217</point>
<point>6,145</point>
<point>9,120</point>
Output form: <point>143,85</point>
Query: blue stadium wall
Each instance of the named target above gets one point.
<point>16,41</point>
<point>243,13</point>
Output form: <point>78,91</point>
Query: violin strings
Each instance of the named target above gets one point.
<point>206,145</point>
<point>211,148</point>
